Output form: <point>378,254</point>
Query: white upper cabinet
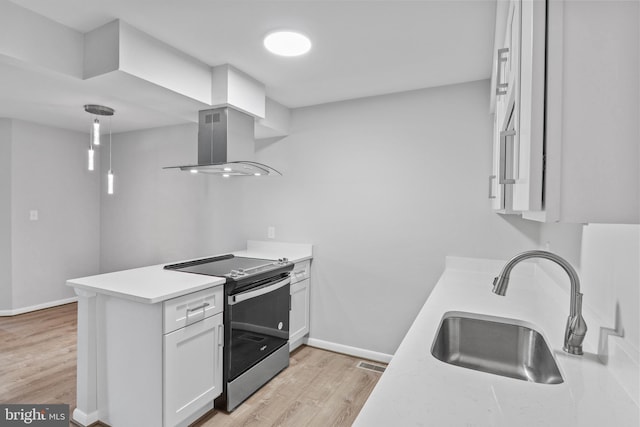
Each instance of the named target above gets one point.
<point>565,94</point>
<point>516,179</point>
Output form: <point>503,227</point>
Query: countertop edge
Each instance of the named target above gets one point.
<point>136,298</point>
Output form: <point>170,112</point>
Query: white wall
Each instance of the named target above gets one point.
<point>49,174</point>
<point>5,215</point>
<point>157,215</point>
<point>384,188</point>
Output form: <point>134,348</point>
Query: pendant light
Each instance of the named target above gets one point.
<point>91,156</point>
<point>110,172</point>
<point>94,138</point>
<point>97,110</point>
<point>95,134</point>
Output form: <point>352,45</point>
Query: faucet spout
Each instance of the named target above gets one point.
<point>576,327</point>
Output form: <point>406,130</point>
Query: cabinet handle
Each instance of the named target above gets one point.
<point>501,88</point>
<point>491,178</point>
<point>200,307</point>
<point>220,336</point>
<point>299,272</point>
<point>503,157</point>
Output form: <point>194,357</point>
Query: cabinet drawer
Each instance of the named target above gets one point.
<point>300,271</point>
<point>187,309</point>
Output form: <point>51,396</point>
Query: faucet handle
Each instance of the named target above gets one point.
<point>576,330</point>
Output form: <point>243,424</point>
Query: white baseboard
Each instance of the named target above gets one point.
<point>22,310</point>
<point>351,351</point>
<point>297,343</point>
<point>83,419</point>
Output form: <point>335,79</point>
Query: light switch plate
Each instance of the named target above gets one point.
<point>33,215</point>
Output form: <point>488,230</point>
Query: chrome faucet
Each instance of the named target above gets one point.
<point>576,327</point>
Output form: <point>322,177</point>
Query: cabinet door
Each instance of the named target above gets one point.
<point>299,314</point>
<point>507,57</point>
<point>528,142</point>
<point>518,165</point>
<point>192,370</point>
<point>505,138</point>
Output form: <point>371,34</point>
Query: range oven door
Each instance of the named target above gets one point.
<point>259,324</point>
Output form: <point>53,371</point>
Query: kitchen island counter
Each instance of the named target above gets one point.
<point>133,323</point>
<point>419,390</point>
<point>147,285</point>
<point>154,284</point>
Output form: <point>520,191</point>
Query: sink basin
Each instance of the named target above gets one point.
<point>495,346</point>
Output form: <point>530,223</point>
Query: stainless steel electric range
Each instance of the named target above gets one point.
<point>256,321</point>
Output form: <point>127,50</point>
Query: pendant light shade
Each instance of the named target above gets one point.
<point>110,182</point>
<point>91,157</point>
<point>94,138</point>
<point>95,135</point>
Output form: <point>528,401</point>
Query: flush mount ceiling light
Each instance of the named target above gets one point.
<point>287,43</point>
<point>94,137</point>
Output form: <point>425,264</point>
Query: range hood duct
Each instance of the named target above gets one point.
<point>226,145</point>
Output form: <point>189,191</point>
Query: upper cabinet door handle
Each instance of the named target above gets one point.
<point>501,88</point>
<point>491,178</point>
<point>503,178</point>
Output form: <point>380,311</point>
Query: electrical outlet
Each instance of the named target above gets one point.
<point>271,232</point>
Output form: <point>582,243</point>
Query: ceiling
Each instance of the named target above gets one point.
<point>360,48</point>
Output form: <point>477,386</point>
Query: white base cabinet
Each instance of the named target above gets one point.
<point>299,314</point>
<point>192,367</point>
<point>159,364</point>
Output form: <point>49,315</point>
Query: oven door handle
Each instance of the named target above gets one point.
<point>235,299</point>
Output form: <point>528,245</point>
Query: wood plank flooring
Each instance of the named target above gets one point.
<point>38,356</point>
<point>320,388</point>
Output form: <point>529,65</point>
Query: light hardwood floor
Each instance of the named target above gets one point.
<point>320,388</point>
<point>38,356</point>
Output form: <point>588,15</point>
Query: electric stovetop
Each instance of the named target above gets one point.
<point>235,269</point>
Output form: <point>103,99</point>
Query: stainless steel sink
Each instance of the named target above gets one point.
<point>495,346</point>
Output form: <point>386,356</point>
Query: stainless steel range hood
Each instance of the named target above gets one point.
<point>226,145</point>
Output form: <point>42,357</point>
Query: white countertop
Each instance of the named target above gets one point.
<point>419,390</point>
<point>153,284</point>
<point>148,285</point>
<point>295,252</point>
